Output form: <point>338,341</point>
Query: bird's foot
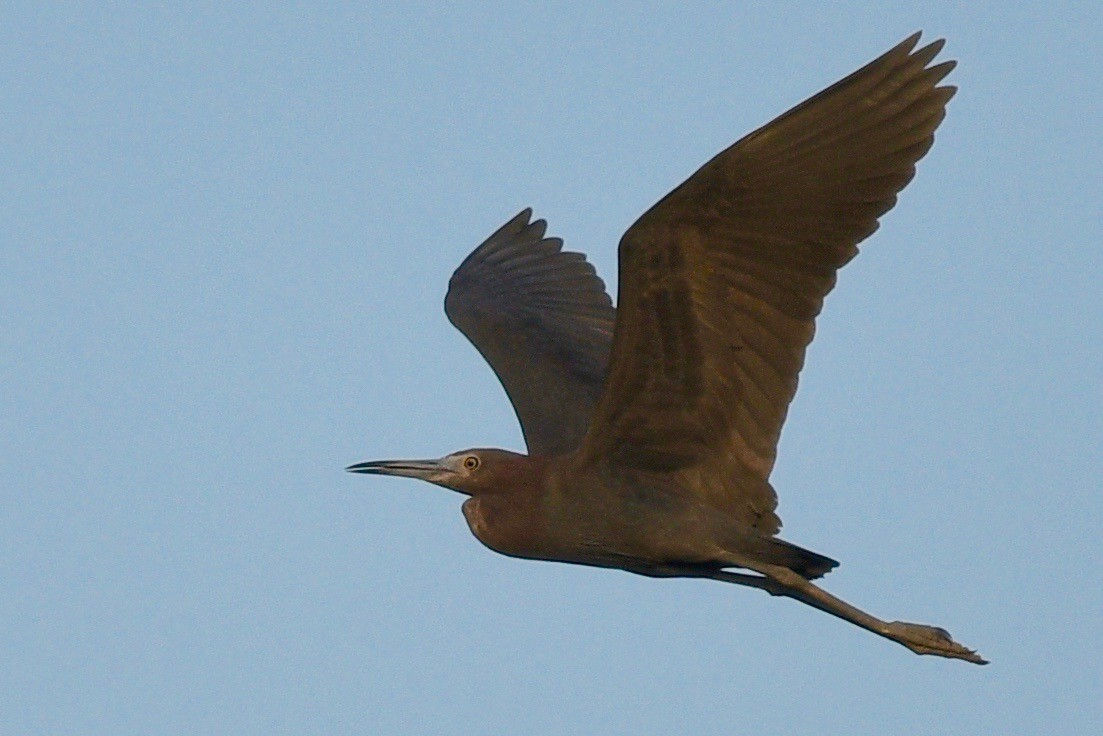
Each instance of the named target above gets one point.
<point>923,639</point>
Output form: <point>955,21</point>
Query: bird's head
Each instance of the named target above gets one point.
<point>472,472</point>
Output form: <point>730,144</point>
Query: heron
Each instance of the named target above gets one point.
<point>652,427</point>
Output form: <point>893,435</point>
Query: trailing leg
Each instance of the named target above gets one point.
<point>782,581</point>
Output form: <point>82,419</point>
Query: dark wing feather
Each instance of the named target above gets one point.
<point>720,282</point>
<point>541,318</point>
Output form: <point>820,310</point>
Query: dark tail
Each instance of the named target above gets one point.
<point>803,562</point>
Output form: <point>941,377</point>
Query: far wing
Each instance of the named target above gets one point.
<point>720,282</point>
<point>541,318</point>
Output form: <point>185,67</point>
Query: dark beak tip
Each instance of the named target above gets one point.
<point>401,468</point>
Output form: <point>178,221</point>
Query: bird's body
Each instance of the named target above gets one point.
<point>652,428</point>
<point>559,509</point>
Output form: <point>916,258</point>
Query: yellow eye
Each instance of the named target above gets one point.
<point>471,462</point>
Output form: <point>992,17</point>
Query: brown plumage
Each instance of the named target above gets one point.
<point>652,429</point>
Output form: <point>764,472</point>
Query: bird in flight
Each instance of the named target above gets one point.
<point>652,427</point>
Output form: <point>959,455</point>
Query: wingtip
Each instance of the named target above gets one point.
<point>934,46</point>
<point>523,223</point>
<point>909,43</point>
<point>518,224</point>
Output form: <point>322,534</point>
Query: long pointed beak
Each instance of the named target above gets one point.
<point>423,469</point>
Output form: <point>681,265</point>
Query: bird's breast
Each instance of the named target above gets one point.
<point>502,528</point>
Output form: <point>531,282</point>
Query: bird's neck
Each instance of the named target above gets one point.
<point>506,515</point>
<point>518,479</point>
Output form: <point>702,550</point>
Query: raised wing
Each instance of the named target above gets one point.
<point>720,282</point>
<point>541,318</point>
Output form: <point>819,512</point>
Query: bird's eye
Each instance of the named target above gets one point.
<point>471,462</point>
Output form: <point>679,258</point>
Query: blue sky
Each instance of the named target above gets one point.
<point>226,235</point>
